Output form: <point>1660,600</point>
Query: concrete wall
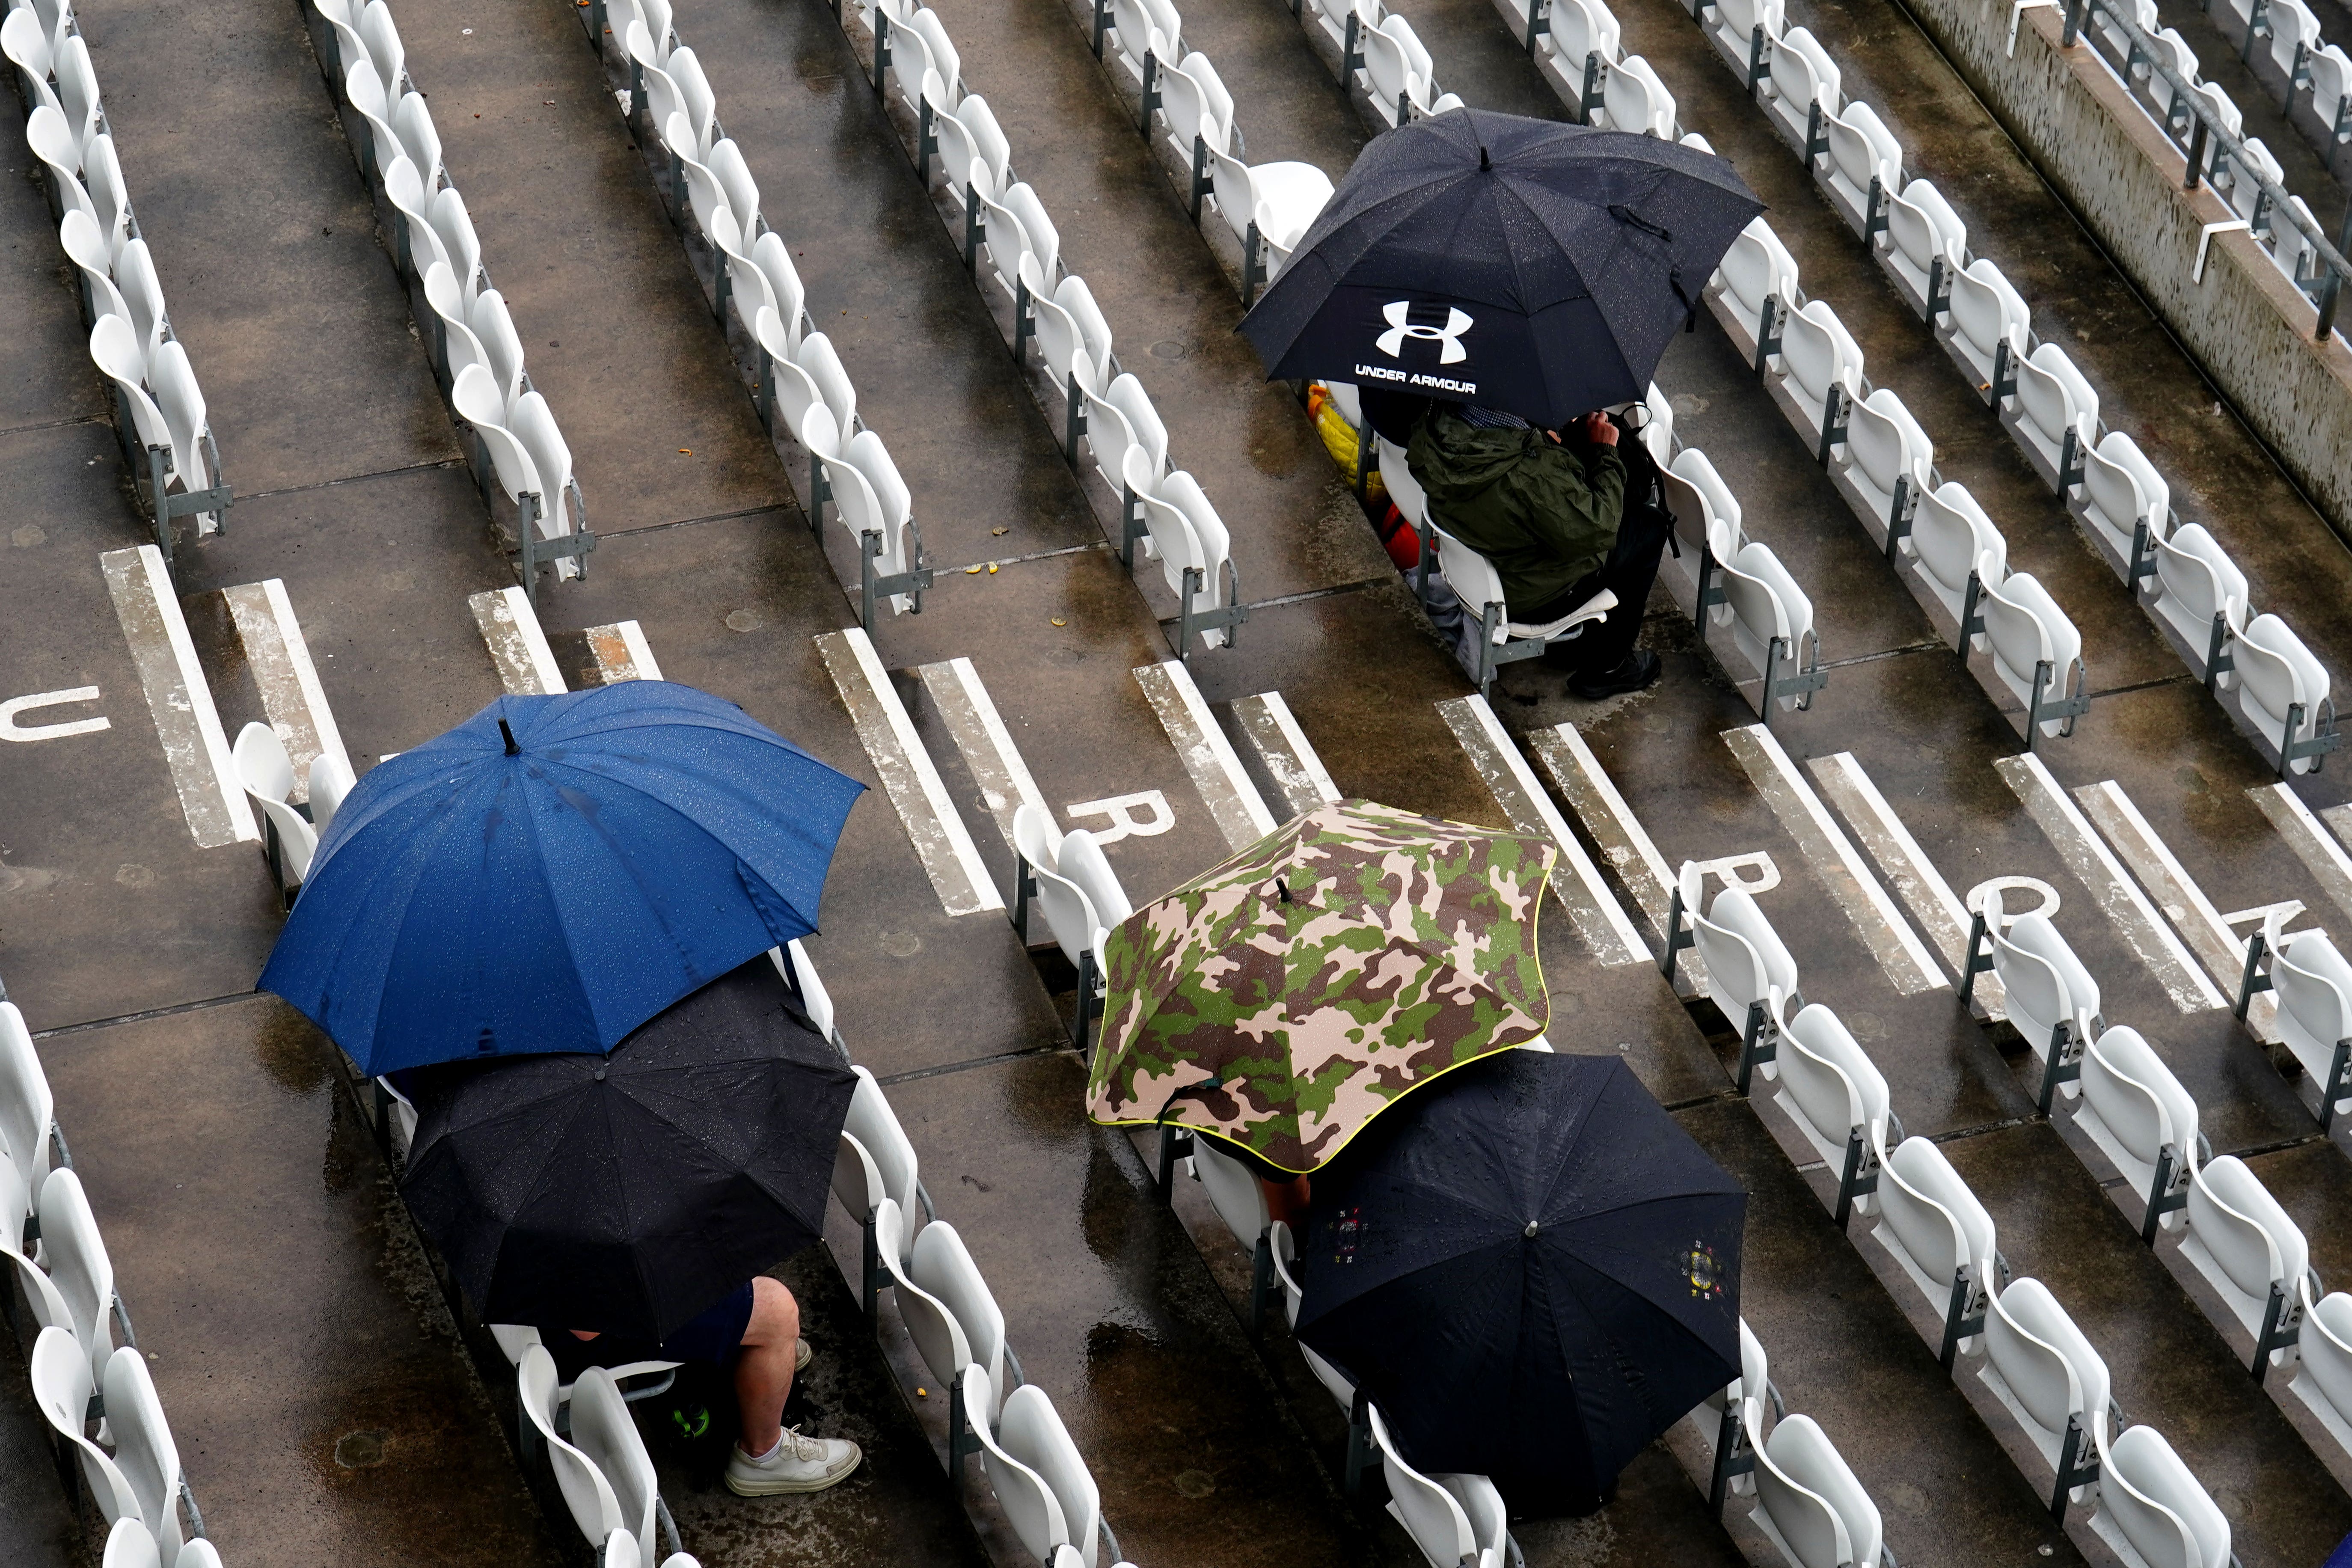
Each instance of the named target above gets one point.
<point>2245,323</point>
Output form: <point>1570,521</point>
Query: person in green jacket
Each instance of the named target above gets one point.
<point>1547,508</point>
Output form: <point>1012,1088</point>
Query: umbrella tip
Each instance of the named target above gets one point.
<point>1485,166</point>
<point>512,749</point>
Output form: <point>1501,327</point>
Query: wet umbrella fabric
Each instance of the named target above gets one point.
<point>1525,265</point>
<point>479,896</point>
<point>1532,1270</point>
<point>627,1192</point>
<point>1285,998</point>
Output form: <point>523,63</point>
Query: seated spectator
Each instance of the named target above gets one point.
<point>1548,509</point>
<point>758,1329</point>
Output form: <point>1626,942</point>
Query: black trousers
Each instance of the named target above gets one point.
<point>1632,567</point>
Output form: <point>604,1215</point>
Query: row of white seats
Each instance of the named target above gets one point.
<point>1808,1502</point>
<point>80,1374</point>
<point>955,1325</point>
<point>1884,464</point>
<point>477,350</point>
<point>803,387</point>
<point>1162,506</point>
<point>1454,1519</point>
<point>132,341</point>
<point>1065,877</point>
<point>2137,1113</point>
<point>290,833</point>
<point>2048,406</point>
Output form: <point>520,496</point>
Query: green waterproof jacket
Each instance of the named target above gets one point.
<point>1544,513</point>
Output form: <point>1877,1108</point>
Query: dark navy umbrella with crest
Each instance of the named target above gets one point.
<point>1531,1269</point>
<point>1522,264</point>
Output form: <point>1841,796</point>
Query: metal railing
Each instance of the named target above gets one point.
<point>2209,144</point>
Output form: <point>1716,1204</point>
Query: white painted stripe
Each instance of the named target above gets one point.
<point>948,855</point>
<point>1271,732</point>
<point>2095,867</point>
<point>621,653</point>
<point>1922,887</point>
<point>1831,856</point>
<point>1600,919</point>
<point>203,773</point>
<point>2184,903</point>
<point>1625,843</point>
<point>2321,855</point>
<point>1239,811</point>
<point>288,680</point>
<point>989,753</point>
<point>518,650</point>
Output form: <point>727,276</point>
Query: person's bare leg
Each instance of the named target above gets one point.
<point>764,1372</point>
<point>1286,1200</point>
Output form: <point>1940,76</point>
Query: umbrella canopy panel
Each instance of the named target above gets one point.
<point>1285,998</point>
<point>625,1193</point>
<point>483,895</point>
<point>1523,264</point>
<point>1532,1270</point>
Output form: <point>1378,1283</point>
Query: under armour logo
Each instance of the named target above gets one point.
<point>1391,342</point>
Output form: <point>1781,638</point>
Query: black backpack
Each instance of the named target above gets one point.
<point>1645,485</point>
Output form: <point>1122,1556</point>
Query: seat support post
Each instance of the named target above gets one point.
<point>2046,705</point>
<point>1538,23</point>
<point>1964,1315</point>
<point>2074,1469</point>
<point>1175,1143</point>
<point>1977,960</point>
<point>1360,1442</point>
<point>1817,140</point>
<point>1151,98</point>
<point>2142,566</point>
<point>1253,263</point>
<point>1835,415</point>
<point>2004,373</point>
<point>1261,1283</point>
<point>881,48</point>
<point>1710,592</point>
<point>1939,292</point>
<point>1900,511</point>
<point>1351,53</point>
<point>876,1277</point>
<point>1102,24</point>
<point>2171,1174</point>
<point>1081,1025</point>
<point>1767,331</point>
<point>1593,96</point>
<point>1758,68</point>
<point>1200,181</point>
<point>2323,737</point>
<point>1733,1457</point>
<point>1860,1177</point>
<point>926,141</point>
<point>2339,1069</point>
<point>2281,1326</point>
<point>2062,1063</point>
<point>1759,1042</point>
<point>1678,934</point>
<point>1074,419</point>
<point>2254,977</point>
<point>1806,680</point>
<point>961,1439</point>
<point>1874,216</point>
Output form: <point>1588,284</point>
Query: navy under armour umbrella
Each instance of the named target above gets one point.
<point>1525,265</point>
<point>1531,1269</point>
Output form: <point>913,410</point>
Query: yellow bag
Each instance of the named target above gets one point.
<point>1338,438</point>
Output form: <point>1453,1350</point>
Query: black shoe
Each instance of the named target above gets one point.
<point>1637,670</point>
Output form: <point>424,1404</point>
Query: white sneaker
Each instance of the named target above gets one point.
<point>799,1465</point>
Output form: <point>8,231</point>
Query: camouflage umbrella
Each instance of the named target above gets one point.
<point>1286,998</point>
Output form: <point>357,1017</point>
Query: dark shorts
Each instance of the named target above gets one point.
<point>713,1336</point>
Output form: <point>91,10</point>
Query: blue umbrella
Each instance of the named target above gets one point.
<point>553,872</point>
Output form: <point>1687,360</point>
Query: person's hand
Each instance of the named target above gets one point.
<point>1598,428</point>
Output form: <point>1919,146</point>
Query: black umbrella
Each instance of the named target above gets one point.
<point>1522,264</point>
<point>1532,1271</point>
<point>627,1192</point>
